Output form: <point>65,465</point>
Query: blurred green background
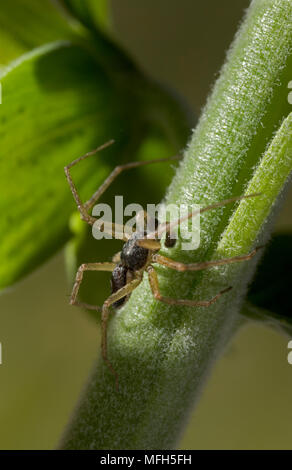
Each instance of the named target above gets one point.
<point>48,347</point>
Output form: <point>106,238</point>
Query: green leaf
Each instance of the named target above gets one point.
<point>57,104</point>
<point>163,353</point>
<point>93,14</point>
<point>26,24</point>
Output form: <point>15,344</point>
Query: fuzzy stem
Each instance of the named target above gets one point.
<point>163,353</point>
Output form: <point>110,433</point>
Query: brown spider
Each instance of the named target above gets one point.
<point>138,254</point>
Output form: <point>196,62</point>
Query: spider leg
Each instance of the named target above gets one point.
<point>166,227</point>
<point>83,208</point>
<point>117,257</point>
<point>178,266</point>
<point>106,227</point>
<point>124,291</point>
<point>78,280</point>
<point>119,169</point>
<point>154,284</point>
<point>153,245</point>
<point>146,222</point>
<point>113,175</point>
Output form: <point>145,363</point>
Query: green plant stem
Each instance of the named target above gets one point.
<point>163,353</point>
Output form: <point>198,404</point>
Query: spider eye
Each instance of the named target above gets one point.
<point>169,242</point>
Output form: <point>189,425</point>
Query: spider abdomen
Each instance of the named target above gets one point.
<point>119,280</point>
<point>121,276</point>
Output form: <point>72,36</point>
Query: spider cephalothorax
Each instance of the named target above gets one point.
<point>138,254</point>
<point>132,255</point>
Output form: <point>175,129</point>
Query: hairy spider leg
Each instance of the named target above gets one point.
<point>105,308</point>
<point>107,227</point>
<point>127,289</point>
<point>169,225</point>
<point>119,169</point>
<point>117,257</point>
<point>113,175</point>
<point>178,266</point>
<point>154,284</point>
<point>79,276</point>
<point>84,208</point>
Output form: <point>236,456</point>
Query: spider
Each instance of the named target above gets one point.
<point>139,252</point>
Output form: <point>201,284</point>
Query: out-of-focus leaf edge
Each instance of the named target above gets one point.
<point>269,298</point>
